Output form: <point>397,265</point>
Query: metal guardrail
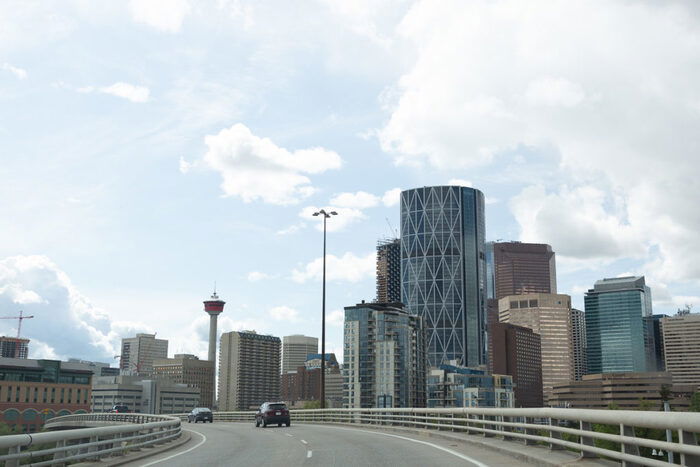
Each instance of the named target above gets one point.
<point>128,432</point>
<point>573,429</point>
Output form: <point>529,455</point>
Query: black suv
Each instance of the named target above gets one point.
<point>272,412</point>
<point>120,408</point>
<point>200,414</point>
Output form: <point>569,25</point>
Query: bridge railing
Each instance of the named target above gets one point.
<point>623,435</point>
<point>128,432</point>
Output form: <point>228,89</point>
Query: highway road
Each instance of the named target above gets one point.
<point>241,444</point>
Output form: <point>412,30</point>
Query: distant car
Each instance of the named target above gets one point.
<point>272,412</point>
<point>120,408</point>
<point>200,414</point>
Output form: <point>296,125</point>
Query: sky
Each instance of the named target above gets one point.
<point>152,148</point>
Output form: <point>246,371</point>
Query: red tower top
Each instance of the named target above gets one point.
<point>215,305</point>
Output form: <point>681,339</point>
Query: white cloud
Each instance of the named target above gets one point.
<point>255,168</point>
<point>554,92</point>
<point>618,119</point>
<point>575,222</point>
<point>255,276</point>
<point>283,313</point>
<point>127,91</point>
<point>391,197</point>
<point>18,72</point>
<point>345,217</point>
<point>184,165</point>
<point>65,322</point>
<point>459,182</point>
<point>163,15</point>
<point>359,200</point>
<point>292,229</point>
<point>347,268</point>
<point>336,318</point>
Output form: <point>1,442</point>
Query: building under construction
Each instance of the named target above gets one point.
<point>14,347</point>
<point>389,271</point>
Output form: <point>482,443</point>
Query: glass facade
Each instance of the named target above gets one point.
<point>617,330</point>
<point>384,357</point>
<point>443,270</point>
<point>454,386</point>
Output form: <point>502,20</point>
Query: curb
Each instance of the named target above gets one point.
<point>145,452</point>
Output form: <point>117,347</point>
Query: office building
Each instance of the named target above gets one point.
<point>249,370</point>
<point>523,268</point>
<point>96,368</point>
<point>616,330</point>
<point>385,362</point>
<point>549,315</point>
<point>627,391</point>
<point>32,391</point>
<point>139,352</point>
<point>304,383</point>
<point>681,337</point>
<point>490,272</point>
<point>143,395</point>
<point>13,347</point>
<point>578,333</point>
<point>655,332</point>
<point>516,351</point>
<point>295,350</point>
<point>389,271</point>
<point>451,385</point>
<point>443,270</point>
<point>188,370</point>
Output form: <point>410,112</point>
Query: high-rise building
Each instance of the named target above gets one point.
<point>517,351</point>
<point>389,271</point>
<point>189,370</point>
<point>451,385</point>
<point>443,270</point>
<point>295,350</point>
<point>385,363</point>
<point>616,330</point>
<point>656,333</point>
<point>523,268</point>
<point>490,273</point>
<point>97,368</point>
<point>681,335</point>
<point>14,347</point>
<point>139,352</point>
<point>549,315</point>
<point>578,333</point>
<point>249,370</point>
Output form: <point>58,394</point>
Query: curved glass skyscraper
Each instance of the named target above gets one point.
<point>443,270</point>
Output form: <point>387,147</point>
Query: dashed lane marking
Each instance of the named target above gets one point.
<point>309,454</point>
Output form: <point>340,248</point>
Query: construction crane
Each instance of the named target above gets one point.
<point>18,318</point>
<point>19,327</point>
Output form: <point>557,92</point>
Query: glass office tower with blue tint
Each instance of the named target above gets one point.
<point>443,270</point>
<point>617,330</point>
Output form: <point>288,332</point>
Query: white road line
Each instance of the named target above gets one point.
<point>304,441</point>
<point>450,451</point>
<point>309,454</point>
<point>287,434</point>
<point>204,440</point>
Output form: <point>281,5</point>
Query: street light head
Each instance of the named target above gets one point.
<point>333,213</point>
<point>316,213</point>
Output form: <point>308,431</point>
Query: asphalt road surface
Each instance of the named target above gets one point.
<point>241,444</point>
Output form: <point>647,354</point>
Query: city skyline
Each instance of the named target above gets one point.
<point>145,157</point>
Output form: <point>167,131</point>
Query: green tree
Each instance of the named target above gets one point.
<point>695,402</point>
<point>649,433</point>
<point>610,429</point>
<point>6,430</point>
<point>312,405</point>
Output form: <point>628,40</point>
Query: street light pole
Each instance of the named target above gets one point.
<point>325,215</point>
